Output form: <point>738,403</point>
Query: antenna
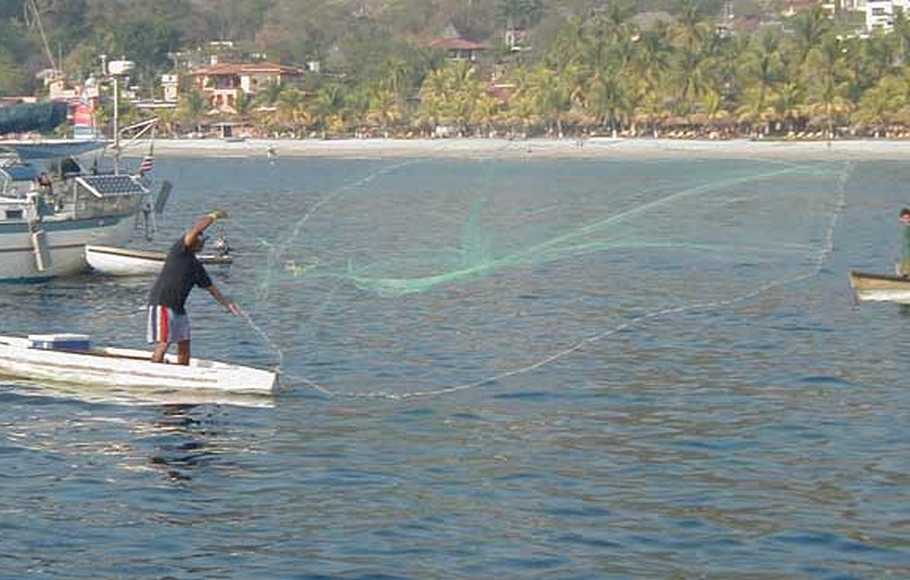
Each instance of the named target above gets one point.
<point>47,48</point>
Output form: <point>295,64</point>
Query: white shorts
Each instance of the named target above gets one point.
<point>165,325</point>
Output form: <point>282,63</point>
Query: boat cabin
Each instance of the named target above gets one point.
<point>27,193</point>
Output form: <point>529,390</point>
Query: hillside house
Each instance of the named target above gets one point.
<point>223,83</point>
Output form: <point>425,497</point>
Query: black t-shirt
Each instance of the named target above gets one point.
<point>180,273</point>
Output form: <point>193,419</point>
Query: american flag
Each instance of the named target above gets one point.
<point>146,165</point>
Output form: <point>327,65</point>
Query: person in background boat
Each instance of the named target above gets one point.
<point>168,322</point>
<point>903,269</point>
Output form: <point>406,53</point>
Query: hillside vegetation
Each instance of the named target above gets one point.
<point>588,66</point>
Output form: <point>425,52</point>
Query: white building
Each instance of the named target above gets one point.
<point>880,14</point>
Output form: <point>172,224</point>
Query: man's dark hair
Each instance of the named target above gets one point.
<point>905,212</point>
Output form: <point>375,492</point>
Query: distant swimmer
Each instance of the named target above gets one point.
<point>271,153</point>
<point>903,269</point>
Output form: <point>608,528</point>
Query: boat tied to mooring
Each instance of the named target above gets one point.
<point>116,261</point>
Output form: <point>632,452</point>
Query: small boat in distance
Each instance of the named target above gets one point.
<point>113,261</point>
<point>880,287</point>
<point>68,358</point>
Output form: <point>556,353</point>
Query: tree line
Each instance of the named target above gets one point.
<point>593,69</point>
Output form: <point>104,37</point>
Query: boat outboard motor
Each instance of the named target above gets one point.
<point>160,201</point>
<point>220,245</point>
<point>163,196</point>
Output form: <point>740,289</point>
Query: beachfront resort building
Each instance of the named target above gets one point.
<point>222,83</point>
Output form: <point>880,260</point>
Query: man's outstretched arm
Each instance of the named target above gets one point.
<point>220,298</point>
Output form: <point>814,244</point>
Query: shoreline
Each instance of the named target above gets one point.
<point>595,148</point>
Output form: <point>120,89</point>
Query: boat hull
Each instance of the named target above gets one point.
<point>880,287</point>
<point>127,368</point>
<point>113,261</point>
<point>66,241</point>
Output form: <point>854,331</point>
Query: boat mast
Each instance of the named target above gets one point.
<point>116,126</point>
<point>117,69</point>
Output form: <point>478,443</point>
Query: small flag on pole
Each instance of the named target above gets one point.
<point>145,166</point>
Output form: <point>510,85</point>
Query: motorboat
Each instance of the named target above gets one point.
<point>114,261</point>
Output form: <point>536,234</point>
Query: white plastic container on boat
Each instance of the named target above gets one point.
<point>60,341</point>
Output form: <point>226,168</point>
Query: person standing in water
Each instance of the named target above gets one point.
<point>903,268</point>
<point>168,322</point>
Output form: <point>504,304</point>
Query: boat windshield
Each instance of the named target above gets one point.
<point>17,179</point>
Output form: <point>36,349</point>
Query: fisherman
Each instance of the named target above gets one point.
<point>903,269</point>
<point>167,318</point>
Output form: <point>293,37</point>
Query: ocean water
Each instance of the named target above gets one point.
<point>515,367</point>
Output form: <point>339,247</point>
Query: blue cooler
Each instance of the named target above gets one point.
<point>60,341</point>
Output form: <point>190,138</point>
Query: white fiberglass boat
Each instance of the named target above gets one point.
<point>68,358</point>
<point>113,261</point>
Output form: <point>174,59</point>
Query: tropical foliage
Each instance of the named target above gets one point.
<point>589,67</point>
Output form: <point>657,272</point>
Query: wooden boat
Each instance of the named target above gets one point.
<point>48,358</point>
<point>880,287</point>
<point>114,261</point>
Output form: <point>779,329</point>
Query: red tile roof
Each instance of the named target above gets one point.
<point>230,68</point>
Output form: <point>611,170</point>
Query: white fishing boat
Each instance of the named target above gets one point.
<point>880,287</point>
<point>67,358</point>
<point>113,261</point>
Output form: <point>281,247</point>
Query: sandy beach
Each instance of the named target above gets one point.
<point>547,148</point>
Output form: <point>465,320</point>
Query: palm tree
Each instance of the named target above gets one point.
<point>691,29</point>
<point>713,105</point>
<point>764,64</point>
<point>650,110</point>
<point>689,76</point>
<point>486,111</point>
<point>327,106</point>
<point>755,111</point>
<point>652,58</point>
<point>827,89</point>
<point>192,107</point>
<point>396,76</point>
<point>292,111</point>
<point>692,40</point>
<point>570,43</point>
<point>552,96</point>
<point>243,105</point>
<point>523,105</point>
<point>614,21</point>
<point>810,27</point>
<point>788,103</point>
<point>901,37</point>
<point>382,107</point>
<point>880,104</point>
<point>269,94</point>
<point>878,58</point>
<point>608,100</point>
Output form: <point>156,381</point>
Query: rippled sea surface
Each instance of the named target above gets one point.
<point>523,368</point>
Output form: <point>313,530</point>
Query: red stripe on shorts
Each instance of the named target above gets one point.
<point>165,327</point>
